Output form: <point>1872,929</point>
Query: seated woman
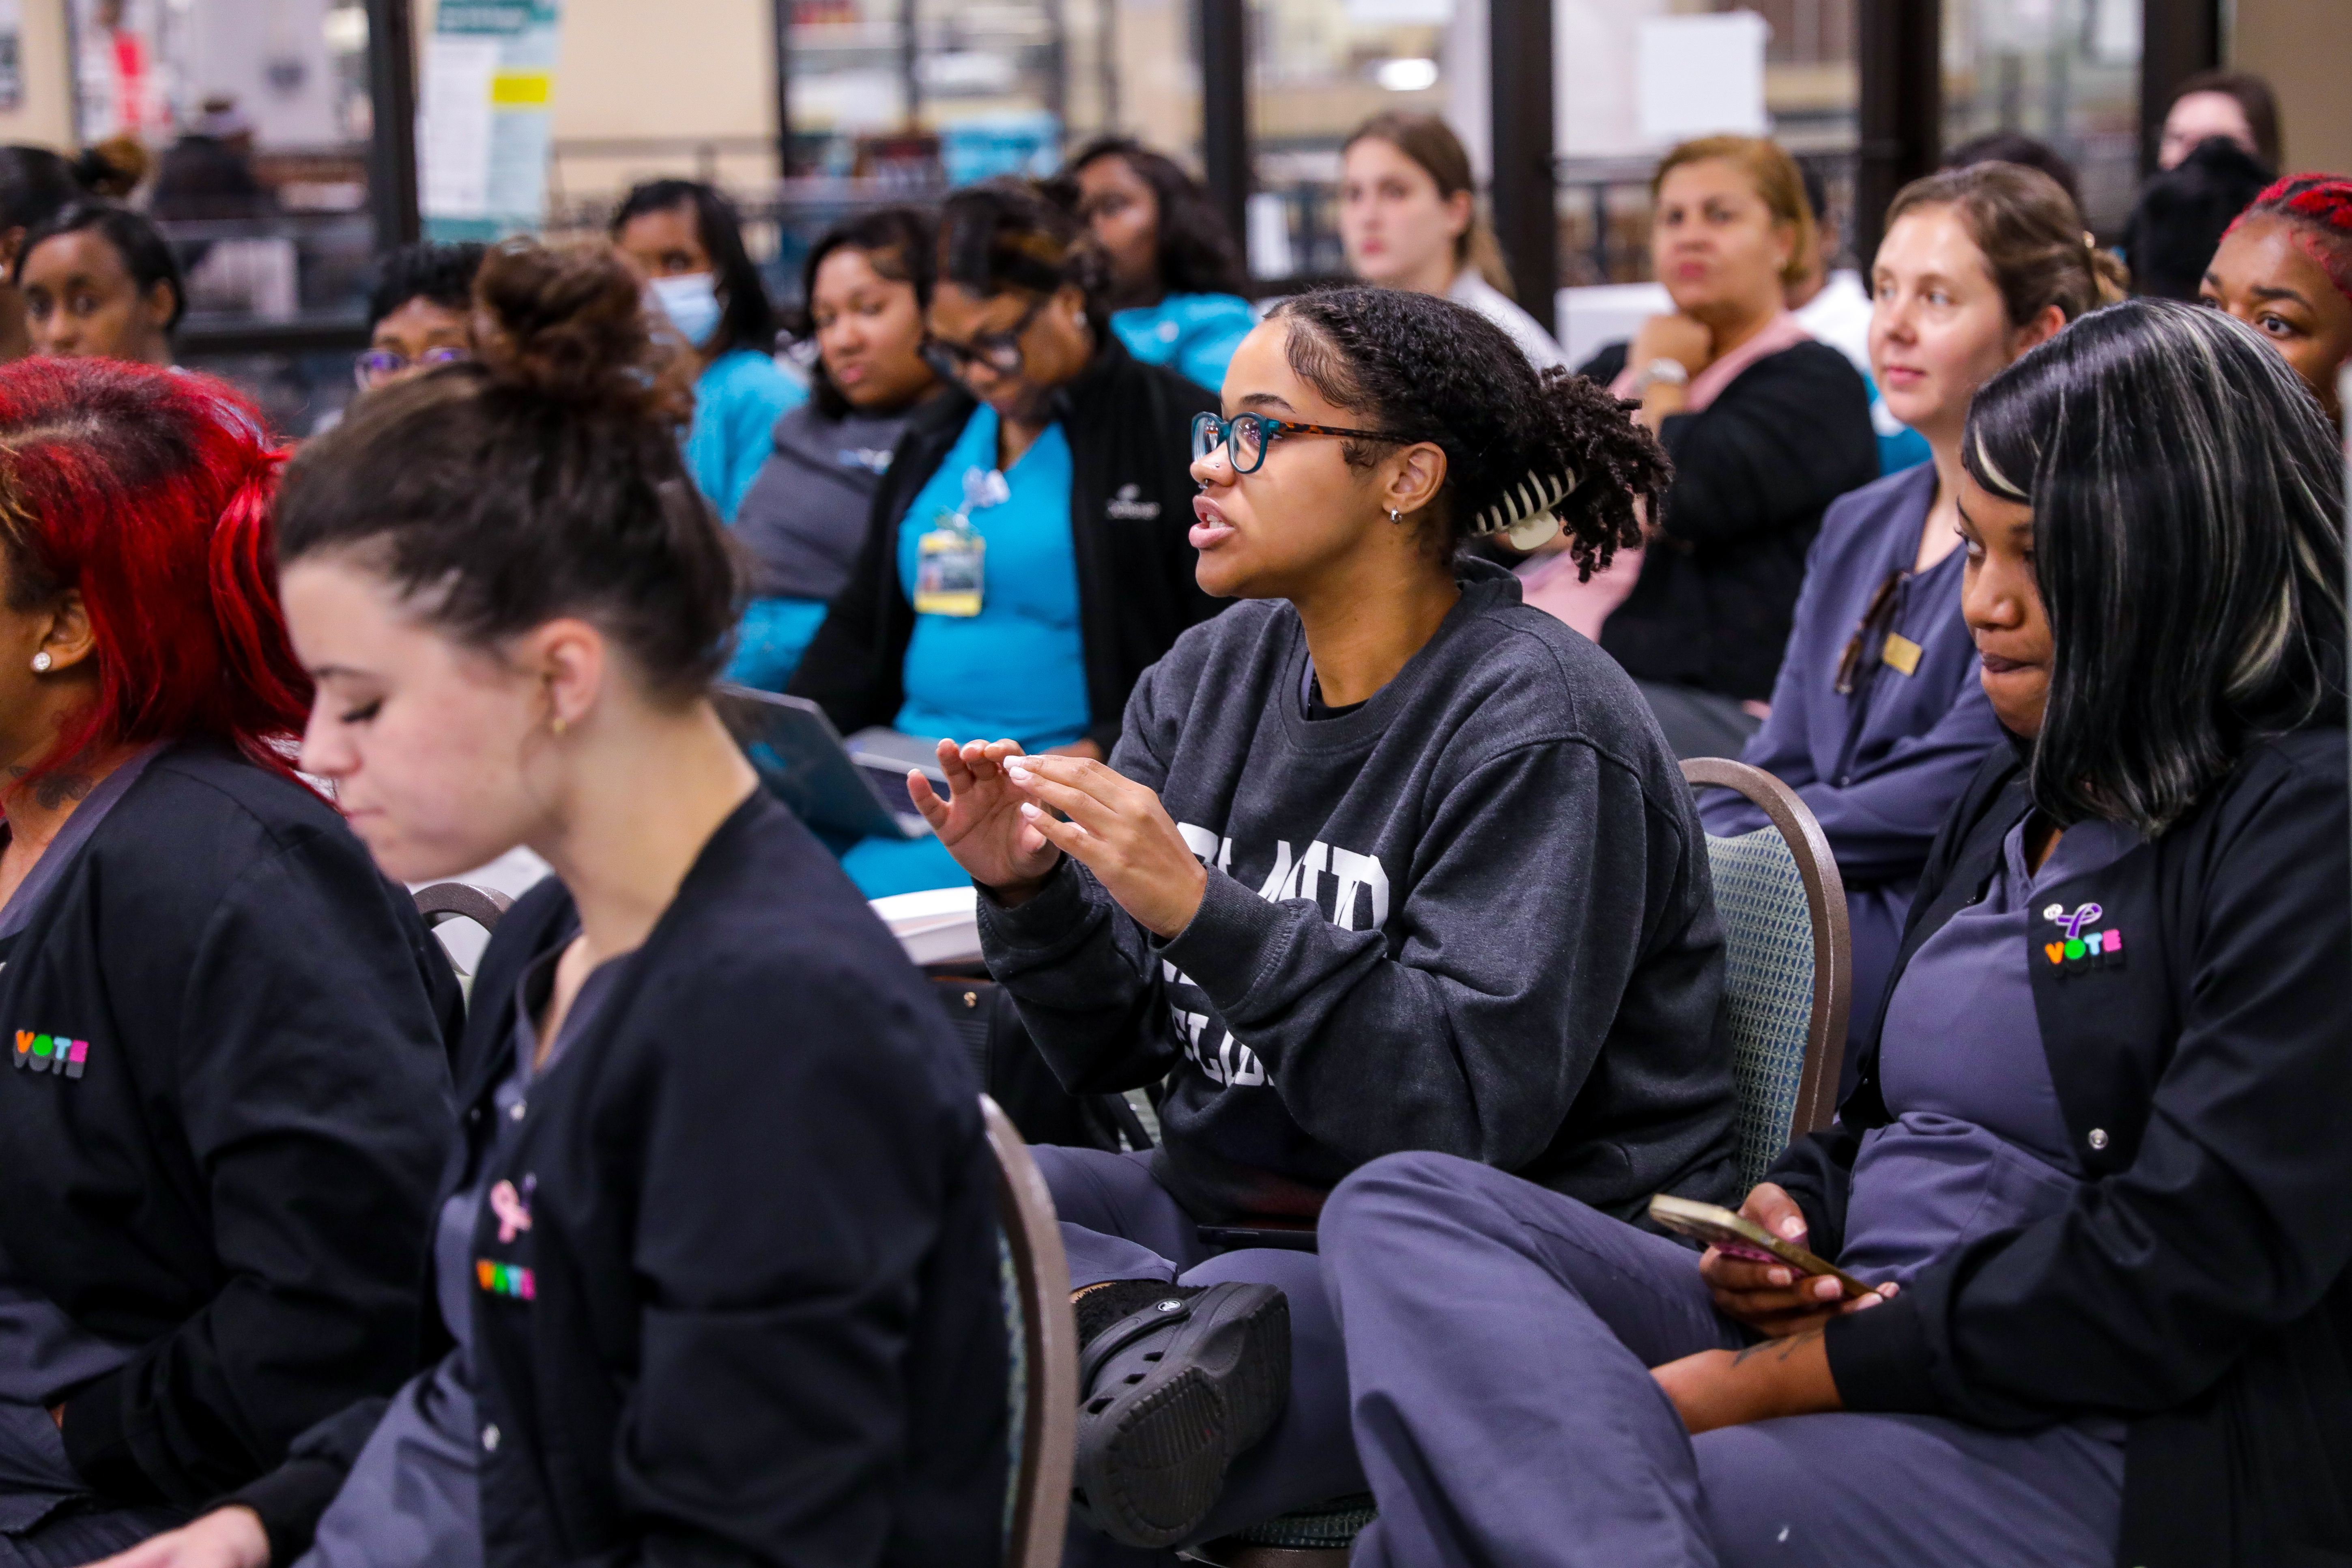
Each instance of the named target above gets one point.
<point>231,1094</point>
<point>1026,560</point>
<point>2093,1164</point>
<point>1878,719</point>
<point>2285,269</point>
<point>715,1294</point>
<point>420,313</point>
<point>34,183</point>
<point>1383,860</point>
<point>1176,277</point>
<point>101,282</point>
<point>685,240</point>
<point>868,281</point>
<point>1409,219</point>
<point>1765,427</point>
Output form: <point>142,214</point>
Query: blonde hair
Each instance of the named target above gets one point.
<point>1779,183</point>
<point>1430,143</point>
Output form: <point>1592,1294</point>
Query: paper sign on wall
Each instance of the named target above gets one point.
<point>1701,76</point>
<point>485,117</point>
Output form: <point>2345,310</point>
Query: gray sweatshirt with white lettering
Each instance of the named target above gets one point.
<point>1472,915</point>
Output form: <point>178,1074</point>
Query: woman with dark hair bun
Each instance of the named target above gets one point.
<point>1176,277</point>
<point>685,239</point>
<point>713,1294</point>
<point>2091,1171</point>
<point>230,1095</point>
<point>1383,859</point>
<point>867,283</point>
<point>101,282</point>
<point>1026,559</point>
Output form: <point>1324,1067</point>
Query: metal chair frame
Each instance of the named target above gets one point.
<point>1817,1090</point>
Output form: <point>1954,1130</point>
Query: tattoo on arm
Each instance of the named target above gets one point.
<point>1780,1348</point>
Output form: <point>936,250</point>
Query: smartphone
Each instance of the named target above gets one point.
<point>1739,1236</point>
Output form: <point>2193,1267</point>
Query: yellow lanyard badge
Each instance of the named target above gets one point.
<point>950,562</point>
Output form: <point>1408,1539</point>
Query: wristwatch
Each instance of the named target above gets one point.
<point>1673,372</point>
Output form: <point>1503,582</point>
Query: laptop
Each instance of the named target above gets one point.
<point>801,759</point>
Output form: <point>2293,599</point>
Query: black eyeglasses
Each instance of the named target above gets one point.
<point>1245,437</point>
<point>377,366</point>
<point>999,352</point>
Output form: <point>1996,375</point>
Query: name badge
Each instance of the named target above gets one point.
<point>951,561</point>
<point>1900,654</point>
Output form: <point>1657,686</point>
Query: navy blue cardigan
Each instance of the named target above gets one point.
<point>2197,1284</point>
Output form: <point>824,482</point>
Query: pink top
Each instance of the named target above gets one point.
<point>1549,582</point>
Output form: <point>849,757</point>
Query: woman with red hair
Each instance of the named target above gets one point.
<point>230,1093</point>
<point>2285,269</point>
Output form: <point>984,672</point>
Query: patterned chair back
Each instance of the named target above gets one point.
<point>1787,964</point>
<point>1045,1333</point>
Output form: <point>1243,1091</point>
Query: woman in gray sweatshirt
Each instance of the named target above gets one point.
<point>1384,859</point>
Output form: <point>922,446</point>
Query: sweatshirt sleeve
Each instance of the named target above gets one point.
<point>1515,944</point>
<point>2234,1215</point>
<point>1781,443</point>
<point>315,1102</point>
<point>852,669</point>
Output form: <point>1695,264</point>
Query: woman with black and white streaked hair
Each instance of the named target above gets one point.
<point>1384,859</point>
<point>2093,1171</point>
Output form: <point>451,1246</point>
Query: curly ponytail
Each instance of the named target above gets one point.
<point>1520,445</point>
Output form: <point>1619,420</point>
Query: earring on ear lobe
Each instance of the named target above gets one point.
<point>1395,516</point>
<point>558,723</point>
<point>41,662</point>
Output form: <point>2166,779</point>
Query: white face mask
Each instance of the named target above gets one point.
<point>690,301</point>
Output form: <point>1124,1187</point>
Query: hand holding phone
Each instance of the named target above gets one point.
<point>1737,1236</point>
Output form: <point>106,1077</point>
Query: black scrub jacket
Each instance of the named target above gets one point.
<point>2191,999</point>
<point>234,1168</point>
<point>742,1304</point>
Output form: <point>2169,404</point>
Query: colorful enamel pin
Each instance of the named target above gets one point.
<point>50,1053</point>
<point>2078,950</point>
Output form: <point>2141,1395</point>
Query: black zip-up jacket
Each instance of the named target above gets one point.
<point>1129,428</point>
<point>238,1180</point>
<point>754,1316</point>
<point>2197,1284</point>
<point>1753,473</point>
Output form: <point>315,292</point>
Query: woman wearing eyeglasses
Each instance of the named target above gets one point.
<point>1384,859</point>
<point>1878,719</point>
<point>1026,560</point>
<point>421,315</point>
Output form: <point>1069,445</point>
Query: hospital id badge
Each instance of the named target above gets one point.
<point>949,567</point>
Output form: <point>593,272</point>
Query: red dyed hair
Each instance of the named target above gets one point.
<point>150,490</point>
<point>2321,205</point>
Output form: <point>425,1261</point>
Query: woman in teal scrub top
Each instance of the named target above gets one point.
<point>1027,556</point>
<point>1176,277</point>
<point>684,238</point>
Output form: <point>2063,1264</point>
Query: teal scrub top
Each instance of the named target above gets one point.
<point>737,402</point>
<point>1017,669</point>
<point>1193,334</point>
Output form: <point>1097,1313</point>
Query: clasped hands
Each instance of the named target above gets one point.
<point>1010,817</point>
<point>1787,1373</point>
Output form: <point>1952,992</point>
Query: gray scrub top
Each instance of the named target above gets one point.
<point>412,1499</point>
<point>44,1353</point>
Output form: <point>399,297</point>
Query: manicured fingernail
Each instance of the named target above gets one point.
<point>1867,1302</point>
<point>1792,1228</point>
<point>1779,1276</point>
<point>1029,811</point>
<point>1828,1289</point>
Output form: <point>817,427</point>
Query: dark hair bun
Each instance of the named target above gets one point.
<point>113,168</point>
<point>567,323</point>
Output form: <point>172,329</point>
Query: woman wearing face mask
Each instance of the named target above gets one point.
<point>1409,219</point>
<point>717,1293</point>
<point>868,281</point>
<point>1026,560</point>
<point>99,281</point>
<point>1765,427</point>
<point>1384,859</point>
<point>1878,719</point>
<point>2285,269</point>
<point>230,1089</point>
<point>685,240</point>
<point>1176,279</point>
<point>2093,1163</point>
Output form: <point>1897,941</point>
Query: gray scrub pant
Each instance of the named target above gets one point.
<point>1120,1223</point>
<point>1498,1341</point>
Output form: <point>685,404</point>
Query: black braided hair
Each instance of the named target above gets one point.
<point>1430,370</point>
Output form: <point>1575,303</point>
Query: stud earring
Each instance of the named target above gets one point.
<point>1395,516</point>
<point>41,662</point>
<point>558,723</point>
